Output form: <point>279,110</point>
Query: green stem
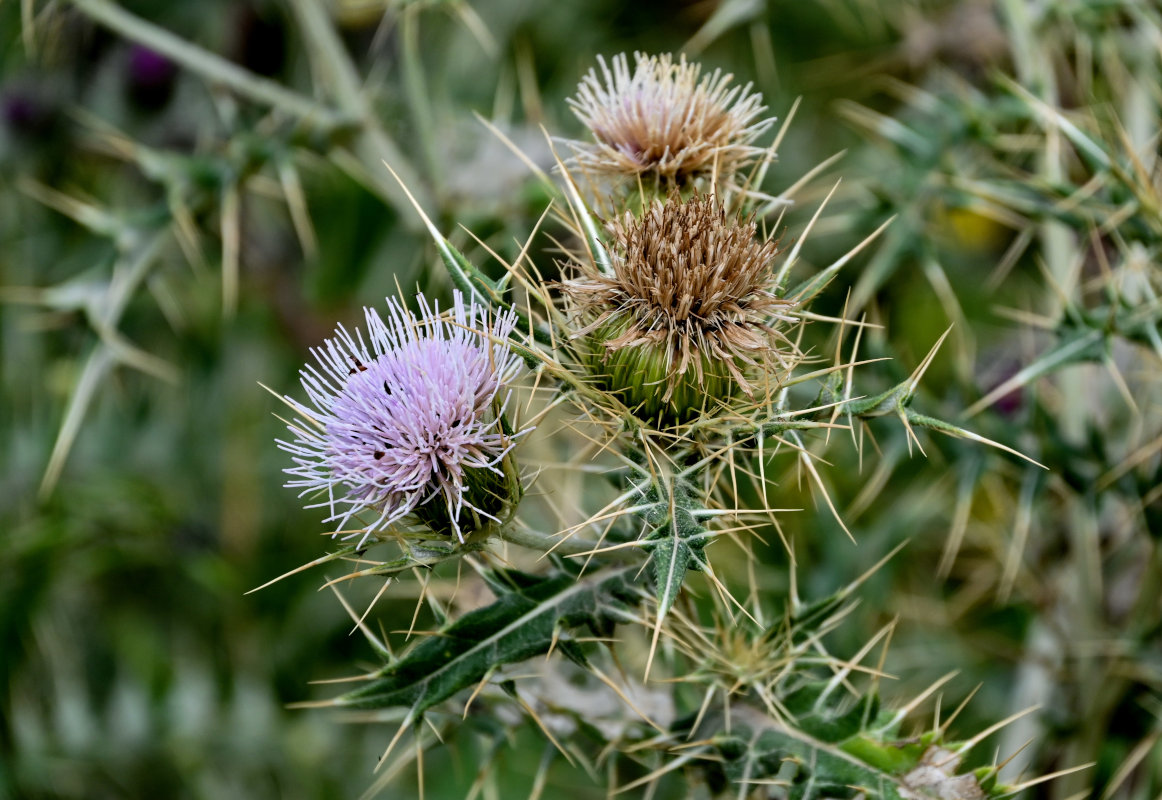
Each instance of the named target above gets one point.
<point>545,542</point>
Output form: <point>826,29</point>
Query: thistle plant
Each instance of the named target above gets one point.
<point>638,506</point>
<point>671,340</point>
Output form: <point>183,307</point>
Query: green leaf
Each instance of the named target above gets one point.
<point>476,284</point>
<point>522,623</point>
<point>678,540</point>
<point>813,768</point>
<point>894,757</point>
<point>671,558</point>
<point>833,724</point>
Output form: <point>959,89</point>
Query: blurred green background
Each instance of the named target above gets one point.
<point>174,235</point>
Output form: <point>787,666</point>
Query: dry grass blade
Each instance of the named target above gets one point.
<point>231,247</point>
<point>97,368</point>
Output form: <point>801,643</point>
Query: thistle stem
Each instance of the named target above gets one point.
<point>545,542</point>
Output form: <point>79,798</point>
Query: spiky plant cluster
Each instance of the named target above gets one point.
<point>627,617</point>
<point>687,311</point>
<point>666,121</point>
<point>669,350</point>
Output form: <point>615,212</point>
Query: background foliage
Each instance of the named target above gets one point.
<point>176,231</point>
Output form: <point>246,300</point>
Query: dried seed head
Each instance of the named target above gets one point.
<point>663,121</point>
<point>687,312</point>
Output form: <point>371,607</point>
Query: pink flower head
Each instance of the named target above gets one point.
<point>412,418</point>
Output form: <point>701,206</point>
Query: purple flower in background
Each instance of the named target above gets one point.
<point>27,111</point>
<point>409,422</point>
<point>150,78</point>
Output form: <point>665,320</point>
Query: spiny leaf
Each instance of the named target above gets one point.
<point>813,768</point>
<point>828,723</point>
<point>948,429</point>
<point>671,558</point>
<point>589,226</point>
<point>522,623</point>
<point>679,540</point>
<point>894,757</point>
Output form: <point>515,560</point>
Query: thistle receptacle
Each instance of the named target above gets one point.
<point>687,314</point>
<point>411,423</point>
<point>665,122</point>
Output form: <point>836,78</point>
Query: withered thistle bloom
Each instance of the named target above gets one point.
<point>688,311</point>
<point>666,121</point>
<point>410,422</point>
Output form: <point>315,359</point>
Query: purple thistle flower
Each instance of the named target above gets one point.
<point>150,78</point>
<point>412,424</point>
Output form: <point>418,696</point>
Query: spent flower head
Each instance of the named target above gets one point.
<point>666,121</point>
<point>687,309</point>
<point>410,422</point>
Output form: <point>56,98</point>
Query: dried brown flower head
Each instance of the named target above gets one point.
<point>686,311</point>
<point>664,121</point>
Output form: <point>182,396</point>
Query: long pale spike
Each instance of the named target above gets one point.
<point>793,256</point>
<point>441,242</point>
